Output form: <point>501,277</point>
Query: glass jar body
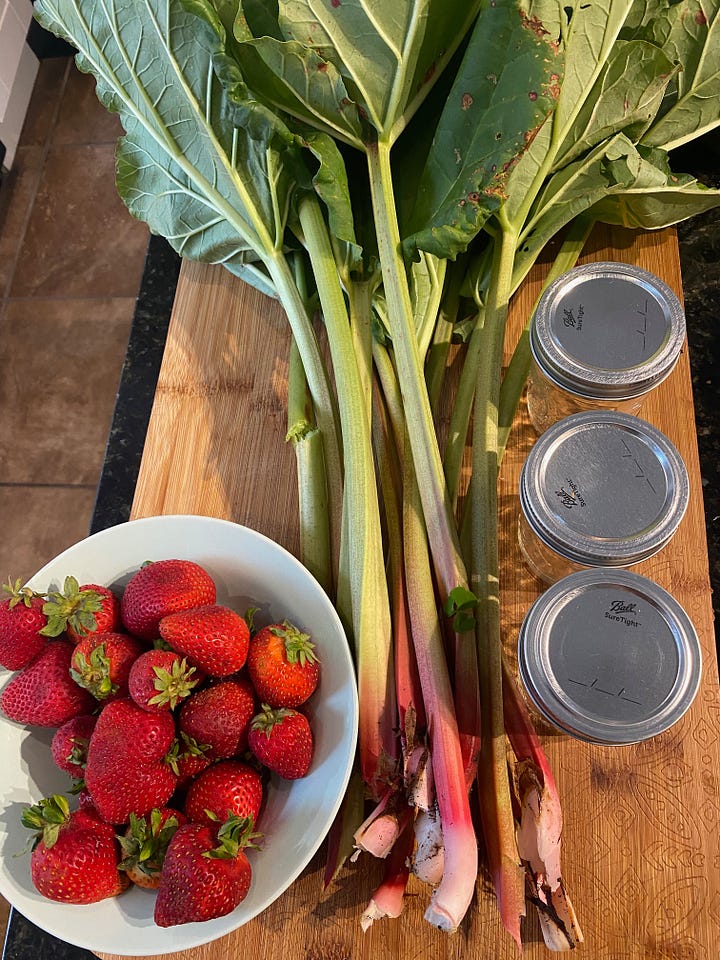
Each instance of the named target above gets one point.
<point>542,561</point>
<point>548,402</point>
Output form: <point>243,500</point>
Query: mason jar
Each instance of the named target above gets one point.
<point>608,656</point>
<point>602,336</point>
<point>599,489</point>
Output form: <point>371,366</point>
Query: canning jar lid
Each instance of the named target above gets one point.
<point>604,488</point>
<point>607,331</point>
<point>608,656</point>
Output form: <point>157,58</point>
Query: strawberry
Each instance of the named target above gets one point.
<point>145,842</point>
<point>282,740</point>
<point>206,873</point>
<point>214,637</point>
<point>76,856</point>
<point>44,693</point>
<point>219,716</point>
<point>70,742</point>
<point>160,679</point>
<point>188,758</point>
<point>85,802</point>
<point>161,588</point>
<point>227,787</point>
<point>101,663</point>
<point>126,770</point>
<point>81,610</point>
<point>282,665</point>
<point>21,624</point>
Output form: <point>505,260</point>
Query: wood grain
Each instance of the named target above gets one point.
<point>641,853</point>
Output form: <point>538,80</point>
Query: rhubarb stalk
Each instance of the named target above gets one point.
<point>494,790</point>
<point>363,548</point>
<point>452,897</point>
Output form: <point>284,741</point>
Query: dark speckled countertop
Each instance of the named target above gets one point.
<point>700,260</point>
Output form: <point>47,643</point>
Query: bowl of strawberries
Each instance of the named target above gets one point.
<point>178,721</point>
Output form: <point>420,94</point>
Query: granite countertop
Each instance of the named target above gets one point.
<point>700,259</point>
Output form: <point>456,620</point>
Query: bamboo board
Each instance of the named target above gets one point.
<point>641,841</point>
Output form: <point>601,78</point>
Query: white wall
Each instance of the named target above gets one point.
<point>18,68</point>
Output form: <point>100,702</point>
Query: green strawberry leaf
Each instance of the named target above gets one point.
<point>46,817</point>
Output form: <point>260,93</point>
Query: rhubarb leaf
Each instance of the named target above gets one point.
<point>319,71</point>
<point>331,185</point>
<point>657,197</point>
<point>405,46</point>
<point>505,88</point>
<point>689,33</point>
<point>588,37</point>
<point>625,97</point>
<point>613,165</point>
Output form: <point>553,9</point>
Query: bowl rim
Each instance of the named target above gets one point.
<point>352,718</point>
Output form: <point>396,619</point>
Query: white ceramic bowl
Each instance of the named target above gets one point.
<point>249,570</point>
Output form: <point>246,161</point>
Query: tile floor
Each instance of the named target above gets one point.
<point>71,261</point>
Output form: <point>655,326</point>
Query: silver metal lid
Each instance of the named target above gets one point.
<point>604,488</point>
<point>609,657</point>
<point>607,331</point>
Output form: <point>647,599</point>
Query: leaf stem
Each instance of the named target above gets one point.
<point>517,371</point>
<point>494,789</point>
<point>318,384</point>
<point>437,509</point>
<point>306,439</point>
<point>365,560</point>
<point>452,897</point>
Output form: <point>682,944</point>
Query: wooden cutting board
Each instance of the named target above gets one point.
<point>641,849</point>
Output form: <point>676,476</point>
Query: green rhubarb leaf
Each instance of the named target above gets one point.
<point>183,166</point>
<point>614,165</point>
<point>331,185</point>
<point>405,46</point>
<point>640,17</point>
<point>589,32</point>
<point>504,90</point>
<point>292,77</point>
<point>689,33</point>
<point>320,72</point>
<point>657,197</point>
<point>427,276</point>
<point>651,209</point>
<point>586,34</point>
<point>625,97</point>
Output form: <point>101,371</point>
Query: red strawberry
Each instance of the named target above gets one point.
<point>21,623</point>
<point>69,744</point>
<point>283,741</point>
<point>81,610</point>
<point>126,770</point>
<point>101,663</point>
<point>162,588</point>
<point>44,693</point>
<point>227,787</point>
<point>282,665</point>
<point>214,637</point>
<point>206,873</point>
<point>160,679</point>
<point>188,758</point>
<point>220,716</point>
<point>145,844</point>
<point>76,858</point>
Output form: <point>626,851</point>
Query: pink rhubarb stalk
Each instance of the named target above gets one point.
<point>381,828</point>
<point>541,823</point>
<point>387,901</point>
<point>452,897</point>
